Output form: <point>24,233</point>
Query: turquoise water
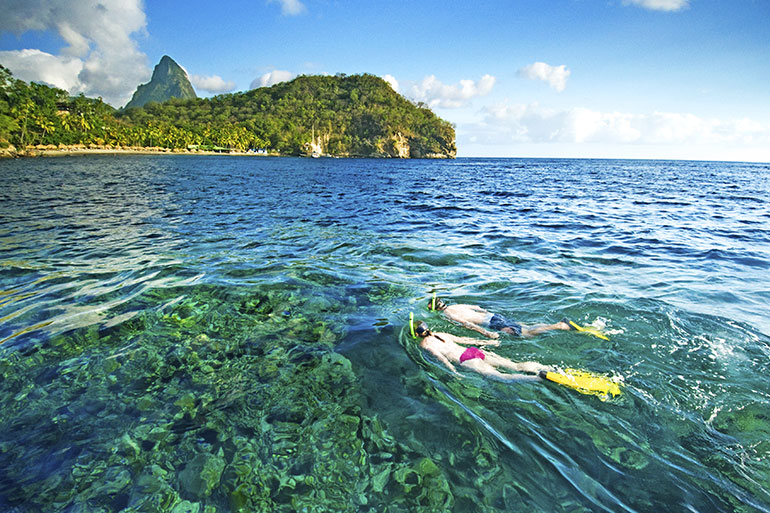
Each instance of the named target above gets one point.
<point>214,334</point>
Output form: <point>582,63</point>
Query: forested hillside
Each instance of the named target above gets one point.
<point>356,115</point>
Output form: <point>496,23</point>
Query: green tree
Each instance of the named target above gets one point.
<point>351,115</point>
<point>8,123</point>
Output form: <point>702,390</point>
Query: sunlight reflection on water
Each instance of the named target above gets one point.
<point>216,263</point>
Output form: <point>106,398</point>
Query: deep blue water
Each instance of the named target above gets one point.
<point>101,257</point>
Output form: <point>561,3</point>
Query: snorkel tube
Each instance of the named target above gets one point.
<point>433,302</point>
<point>411,324</point>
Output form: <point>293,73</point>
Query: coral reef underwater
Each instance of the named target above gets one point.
<point>225,400</point>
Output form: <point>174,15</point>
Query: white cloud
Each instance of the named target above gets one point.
<point>101,57</point>
<point>61,72</point>
<point>271,78</point>
<point>518,123</point>
<point>213,84</point>
<point>390,79</point>
<point>436,94</point>
<point>555,76</point>
<point>290,7</point>
<point>660,5</point>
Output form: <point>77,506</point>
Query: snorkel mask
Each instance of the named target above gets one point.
<point>436,304</point>
<point>421,330</point>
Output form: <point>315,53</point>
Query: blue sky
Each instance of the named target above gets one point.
<point>683,79</point>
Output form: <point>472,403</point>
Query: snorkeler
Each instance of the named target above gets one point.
<point>446,348</point>
<point>475,318</point>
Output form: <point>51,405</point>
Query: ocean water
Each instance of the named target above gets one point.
<point>215,334</point>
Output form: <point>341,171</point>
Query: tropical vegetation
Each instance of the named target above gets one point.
<point>359,115</point>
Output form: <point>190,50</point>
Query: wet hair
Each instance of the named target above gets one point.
<point>422,331</point>
<point>420,328</point>
<point>440,305</point>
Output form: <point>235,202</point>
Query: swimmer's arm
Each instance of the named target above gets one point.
<point>476,327</point>
<point>471,326</point>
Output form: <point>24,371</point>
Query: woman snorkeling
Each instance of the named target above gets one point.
<point>446,347</point>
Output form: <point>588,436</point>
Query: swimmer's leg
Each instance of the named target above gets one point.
<point>484,368</point>
<point>499,361</point>
<point>543,328</point>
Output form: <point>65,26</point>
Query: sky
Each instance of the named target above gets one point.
<point>658,79</point>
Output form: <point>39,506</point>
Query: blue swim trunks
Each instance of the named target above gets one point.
<point>498,322</point>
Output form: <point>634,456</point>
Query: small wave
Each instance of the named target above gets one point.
<point>505,194</point>
<point>672,203</point>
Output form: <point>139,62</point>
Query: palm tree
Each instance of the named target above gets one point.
<point>83,123</point>
<point>46,126</point>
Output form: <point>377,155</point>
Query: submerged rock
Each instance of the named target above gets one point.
<point>187,507</point>
<point>202,474</point>
<point>217,403</point>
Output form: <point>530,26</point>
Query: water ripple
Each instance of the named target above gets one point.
<point>671,258</point>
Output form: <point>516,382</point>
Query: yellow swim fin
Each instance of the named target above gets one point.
<point>591,331</point>
<point>584,382</point>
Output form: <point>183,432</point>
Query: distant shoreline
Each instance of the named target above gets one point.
<point>66,151</point>
<point>79,150</point>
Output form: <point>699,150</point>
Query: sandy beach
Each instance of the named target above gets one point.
<point>74,150</point>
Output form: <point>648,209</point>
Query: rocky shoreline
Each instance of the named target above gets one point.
<point>80,149</point>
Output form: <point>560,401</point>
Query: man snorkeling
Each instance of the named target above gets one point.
<point>446,348</point>
<point>475,318</point>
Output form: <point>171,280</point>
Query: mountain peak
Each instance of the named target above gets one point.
<point>167,65</point>
<point>169,80</point>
